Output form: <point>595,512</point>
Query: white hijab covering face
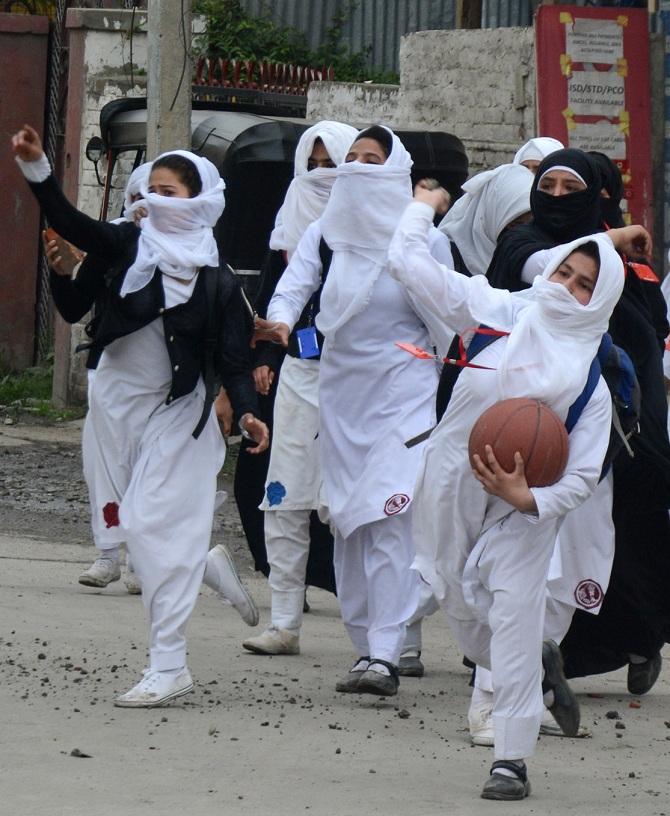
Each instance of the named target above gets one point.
<point>365,206</point>
<point>554,340</point>
<point>308,193</point>
<point>537,149</point>
<point>492,200</point>
<point>177,233</point>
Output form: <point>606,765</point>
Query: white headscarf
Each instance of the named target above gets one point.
<point>492,200</point>
<point>555,339</point>
<point>177,233</point>
<point>138,179</point>
<point>537,149</point>
<point>308,193</point>
<point>358,223</point>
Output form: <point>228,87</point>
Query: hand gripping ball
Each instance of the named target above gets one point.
<point>528,426</point>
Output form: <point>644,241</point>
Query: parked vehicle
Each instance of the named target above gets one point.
<point>254,153</point>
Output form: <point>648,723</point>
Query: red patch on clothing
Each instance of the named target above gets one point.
<point>110,513</point>
<point>396,503</point>
<point>588,594</point>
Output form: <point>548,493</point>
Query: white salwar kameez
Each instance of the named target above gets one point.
<point>292,488</point>
<point>293,484</point>
<point>372,399</point>
<point>144,468</point>
<point>486,562</point>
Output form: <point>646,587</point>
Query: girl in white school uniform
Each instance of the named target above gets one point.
<point>293,484</point>
<point>172,319</point>
<point>371,399</point>
<point>486,552</point>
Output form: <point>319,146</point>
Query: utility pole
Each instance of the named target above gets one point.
<point>169,76</point>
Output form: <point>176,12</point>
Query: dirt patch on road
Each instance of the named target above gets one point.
<point>43,493</point>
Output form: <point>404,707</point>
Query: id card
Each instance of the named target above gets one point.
<point>308,345</point>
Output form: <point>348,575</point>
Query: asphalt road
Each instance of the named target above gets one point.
<point>258,735</point>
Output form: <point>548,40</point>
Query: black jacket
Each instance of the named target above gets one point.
<point>187,334</point>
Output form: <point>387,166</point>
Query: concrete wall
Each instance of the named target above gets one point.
<point>445,84</point>
<point>100,70</point>
<point>23,65</point>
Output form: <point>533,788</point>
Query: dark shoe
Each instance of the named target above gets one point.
<point>411,666</point>
<point>565,708</point>
<point>305,605</point>
<point>507,788</point>
<point>349,684</point>
<point>374,682</point>
<point>642,676</point>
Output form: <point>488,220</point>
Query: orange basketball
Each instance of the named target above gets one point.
<point>528,426</point>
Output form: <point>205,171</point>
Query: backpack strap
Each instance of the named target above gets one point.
<point>209,372</point>
<point>579,404</point>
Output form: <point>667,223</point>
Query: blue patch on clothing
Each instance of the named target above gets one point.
<point>275,492</point>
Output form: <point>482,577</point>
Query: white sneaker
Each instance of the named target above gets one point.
<point>222,577</point>
<point>155,689</point>
<point>480,721</point>
<point>132,582</point>
<point>274,641</point>
<point>102,571</point>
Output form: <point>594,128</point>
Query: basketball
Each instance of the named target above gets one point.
<point>528,426</point>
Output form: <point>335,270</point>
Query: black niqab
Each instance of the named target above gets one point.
<point>556,219</point>
<point>574,215</point>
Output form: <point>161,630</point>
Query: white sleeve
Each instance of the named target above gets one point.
<point>35,171</point>
<point>444,292</point>
<point>441,335</point>
<point>439,247</point>
<point>299,281</point>
<point>588,445</point>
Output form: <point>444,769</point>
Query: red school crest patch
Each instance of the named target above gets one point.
<point>396,503</point>
<point>588,594</point>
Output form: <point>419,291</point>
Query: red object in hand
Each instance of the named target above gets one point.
<point>529,427</point>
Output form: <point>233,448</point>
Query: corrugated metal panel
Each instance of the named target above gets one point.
<point>374,24</point>
<point>379,24</point>
<point>506,13</point>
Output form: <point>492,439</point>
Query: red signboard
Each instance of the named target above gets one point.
<point>593,91</point>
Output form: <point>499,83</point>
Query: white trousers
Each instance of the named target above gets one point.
<point>557,620</point>
<point>165,489</point>
<point>376,588</point>
<point>287,543</point>
<point>512,563</point>
<point>427,605</point>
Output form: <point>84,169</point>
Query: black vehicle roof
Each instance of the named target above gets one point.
<point>254,153</point>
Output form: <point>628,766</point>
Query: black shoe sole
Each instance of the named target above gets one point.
<point>565,708</point>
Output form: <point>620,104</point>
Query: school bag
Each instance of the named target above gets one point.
<point>617,370</point>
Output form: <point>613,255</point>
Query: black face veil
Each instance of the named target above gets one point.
<point>567,217</point>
